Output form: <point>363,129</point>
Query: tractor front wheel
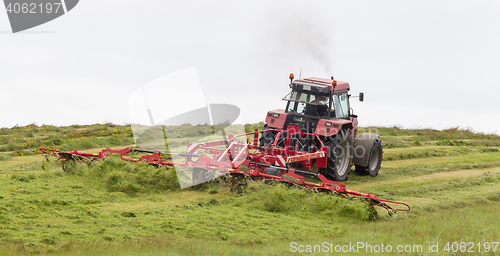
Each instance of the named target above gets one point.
<point>267,136</point>
<point>340,152</point>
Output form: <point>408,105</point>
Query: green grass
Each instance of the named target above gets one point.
<point>450,178</point>
<point>45,211</point>
<point>460,224</point>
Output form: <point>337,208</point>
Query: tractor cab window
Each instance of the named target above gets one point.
<point>341,105</point>
<point>305,103</point>
<point>296,107</point>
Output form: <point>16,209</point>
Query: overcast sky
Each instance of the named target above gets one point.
<point>425,64</point>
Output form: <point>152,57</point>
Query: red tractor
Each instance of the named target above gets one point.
<point>321,107</point>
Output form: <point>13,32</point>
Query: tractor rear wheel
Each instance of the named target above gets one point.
<point>340,152</point>
<point>374,161</point>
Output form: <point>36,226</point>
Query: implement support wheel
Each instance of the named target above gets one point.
<point>238,183</point>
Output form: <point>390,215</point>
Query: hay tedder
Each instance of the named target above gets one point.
<point>242,161</point>
<point>311,144</point>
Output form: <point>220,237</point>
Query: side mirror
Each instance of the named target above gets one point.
<point>361,96</point>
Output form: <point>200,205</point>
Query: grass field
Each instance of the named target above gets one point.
<point>451,178</point>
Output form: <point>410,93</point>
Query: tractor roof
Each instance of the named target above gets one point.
<point>322,83</point>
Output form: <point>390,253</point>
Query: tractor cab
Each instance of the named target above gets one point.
<point>313,99</point>
<point>315,105</point>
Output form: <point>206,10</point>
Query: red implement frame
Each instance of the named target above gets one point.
<point>234,154</point>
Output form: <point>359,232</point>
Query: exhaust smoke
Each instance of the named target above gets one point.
<point>299,34</point>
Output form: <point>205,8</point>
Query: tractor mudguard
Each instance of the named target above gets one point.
<point>362,148</point>
<point>331,127</point>
<point>276,119</point>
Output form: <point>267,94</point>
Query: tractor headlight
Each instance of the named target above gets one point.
<point>276,115</point>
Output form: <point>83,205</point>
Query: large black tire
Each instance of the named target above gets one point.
<point>340,153</point>
<point>267,136</point>
<point>374,161</point>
